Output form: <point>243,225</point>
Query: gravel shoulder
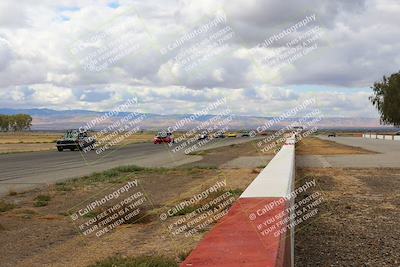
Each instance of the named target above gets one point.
<point>357,223</point>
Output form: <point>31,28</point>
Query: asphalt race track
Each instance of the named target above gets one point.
<point>22,171</point>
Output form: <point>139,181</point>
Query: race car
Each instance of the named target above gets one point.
<point>246,133</point>
<point>219,135</point>
<point>163,137</point>
<point>202,136</point>
<point>232,135</point>
<point>75,139</point>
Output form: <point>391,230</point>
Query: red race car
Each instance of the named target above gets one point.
<point>163,137</point>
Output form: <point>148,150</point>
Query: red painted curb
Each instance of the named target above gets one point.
<point>239,240</point>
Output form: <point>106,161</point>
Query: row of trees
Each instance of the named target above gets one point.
<point>18,122</point>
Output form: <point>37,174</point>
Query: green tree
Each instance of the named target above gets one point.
<point>4,123</point>
<point>22,122</point>
<point>18,122</point>
<point>386,98</point>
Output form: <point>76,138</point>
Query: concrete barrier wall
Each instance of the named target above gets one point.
<point>382,136</point>
<point>237,239</point>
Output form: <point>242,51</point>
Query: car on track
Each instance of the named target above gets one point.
<point>75,139</point>
<point>332,135</point>
<point>202,136</point>
<point>246,134</point>
<point>232,135</point>
<point>220,135</point>
<point>164,137</point>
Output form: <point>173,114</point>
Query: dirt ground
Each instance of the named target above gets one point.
<point>316,146</point>
<point>218,156</point>
<point>46,236</point>
<point>357,223</point>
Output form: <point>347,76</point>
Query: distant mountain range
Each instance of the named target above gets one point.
<point>49,119</point>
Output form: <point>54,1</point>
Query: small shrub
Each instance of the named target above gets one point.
<point>187,210</point>
<point>12,193</point>
<point>141,261</point>
<point>129,168</point>
<point>183,255</point>
<point>91,214</point>
<point>111,173</point>
<point>208,167</point>
<point>62,186</point>
<point>236,192</point>
<point>42,200</point>
<point>5,206</point>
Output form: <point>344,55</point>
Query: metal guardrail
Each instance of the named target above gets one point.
<point>240,239</point>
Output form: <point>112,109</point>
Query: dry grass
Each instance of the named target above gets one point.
<point>139,138</point>
<point>33,142</point>
<point>27,141</point>
<point>16,148</point>
<point>316,146</point>
<point>28,138</point>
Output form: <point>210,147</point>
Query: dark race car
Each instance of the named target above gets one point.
<point>75,139</point>
<point>220,135</point>
<point>163,137</point>
<point>246,134</point>
<point>203,136</point>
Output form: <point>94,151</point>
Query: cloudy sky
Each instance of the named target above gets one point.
<point>177,56</point>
